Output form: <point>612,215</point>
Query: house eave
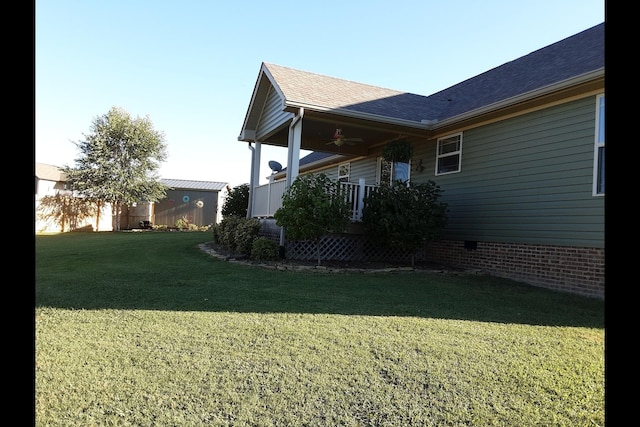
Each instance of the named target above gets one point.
<point>582,83</point>
<point>293,106</point>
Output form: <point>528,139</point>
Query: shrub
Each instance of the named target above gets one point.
<point>312,207</point>
<point>226,230</point>
<point>182,223</point>
<point>404,216</point>
<point>236,201</point>
<point>264,249</point>
<point>237,234</point>
<point>246,233</point>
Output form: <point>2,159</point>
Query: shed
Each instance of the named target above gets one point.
<point>196,202</point>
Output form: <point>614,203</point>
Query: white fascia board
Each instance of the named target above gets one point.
<point>247,135</point>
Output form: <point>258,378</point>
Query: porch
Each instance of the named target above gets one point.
<point>267,198</point>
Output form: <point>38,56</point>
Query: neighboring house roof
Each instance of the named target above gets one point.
<point>194,185</point>
<point>49,172</point>
<point>316,156</point>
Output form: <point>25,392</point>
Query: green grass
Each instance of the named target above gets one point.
<point>144,329</point>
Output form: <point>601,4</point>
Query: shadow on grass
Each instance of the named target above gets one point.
<point>189,280</point>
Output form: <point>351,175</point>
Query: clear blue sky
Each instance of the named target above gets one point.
<point>191,65</point>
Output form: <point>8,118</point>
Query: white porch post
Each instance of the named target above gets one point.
<point>254,179</point>
<point>361,190</point>
<point>293,145</point>
<point>293,155</point>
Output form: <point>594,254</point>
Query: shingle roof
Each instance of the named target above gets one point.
<point>194,185</point>
<point>330,93</point>
<point>574,56</point>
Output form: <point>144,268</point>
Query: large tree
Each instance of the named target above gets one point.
<point>118,162</point>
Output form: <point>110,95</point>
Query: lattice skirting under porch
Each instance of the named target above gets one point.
<point>346,247</point>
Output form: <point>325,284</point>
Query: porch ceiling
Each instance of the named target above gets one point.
<point>318,130</point>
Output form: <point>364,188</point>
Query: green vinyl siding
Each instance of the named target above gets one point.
<point>364,169</point>
<point>527,179</point>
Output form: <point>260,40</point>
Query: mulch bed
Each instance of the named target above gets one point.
<point>330,264</point>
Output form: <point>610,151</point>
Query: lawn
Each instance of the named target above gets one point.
<point>145,329</point>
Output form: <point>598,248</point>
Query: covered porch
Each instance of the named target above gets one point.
<point>305,111</point>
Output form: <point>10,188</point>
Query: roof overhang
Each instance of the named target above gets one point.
<point>562,91</point>
<point>319,123</point>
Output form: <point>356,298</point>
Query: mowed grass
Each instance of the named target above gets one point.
<point>145,329</point>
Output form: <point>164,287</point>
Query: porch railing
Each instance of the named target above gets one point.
<point>267,198</point>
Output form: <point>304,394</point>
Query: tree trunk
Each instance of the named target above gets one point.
<point>98,216</point>
<point>116,211</point>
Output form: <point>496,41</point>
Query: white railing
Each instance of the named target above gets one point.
<point>267,198</point>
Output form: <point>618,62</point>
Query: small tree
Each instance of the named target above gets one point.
<point>236,202</point>
<point>404,216</point>
<point>118,162</point>
<point>312,207</point>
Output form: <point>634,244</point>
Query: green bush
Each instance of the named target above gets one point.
<point>246,233</point>
<point>182,223</point>
<point>312,207</point>
<point>236,201</point>
<point>225,232</point>
<point>264,249</point>
<point>404,216</point>
<point>237,234</point>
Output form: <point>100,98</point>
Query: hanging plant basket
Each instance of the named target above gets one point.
<point>398,151</point>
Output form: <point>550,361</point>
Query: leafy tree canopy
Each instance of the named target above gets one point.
<point>118,161</point>
<point>236,202</point>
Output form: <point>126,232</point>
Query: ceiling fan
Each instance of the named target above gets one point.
<point>339,139</point>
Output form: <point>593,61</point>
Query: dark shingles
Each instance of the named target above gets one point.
<point>571,57</point>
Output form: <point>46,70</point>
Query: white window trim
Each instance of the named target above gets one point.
<point>597,145</point>
<point>454,153</point>
<point>348,165</point>
<point>379,171</point>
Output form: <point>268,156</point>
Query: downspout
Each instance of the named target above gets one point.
<point>253,159</point>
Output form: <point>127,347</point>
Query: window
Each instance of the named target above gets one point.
<point>598,156</point>
<point>343,172</point>
<point>449,154</point>
<point>391,171</point>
